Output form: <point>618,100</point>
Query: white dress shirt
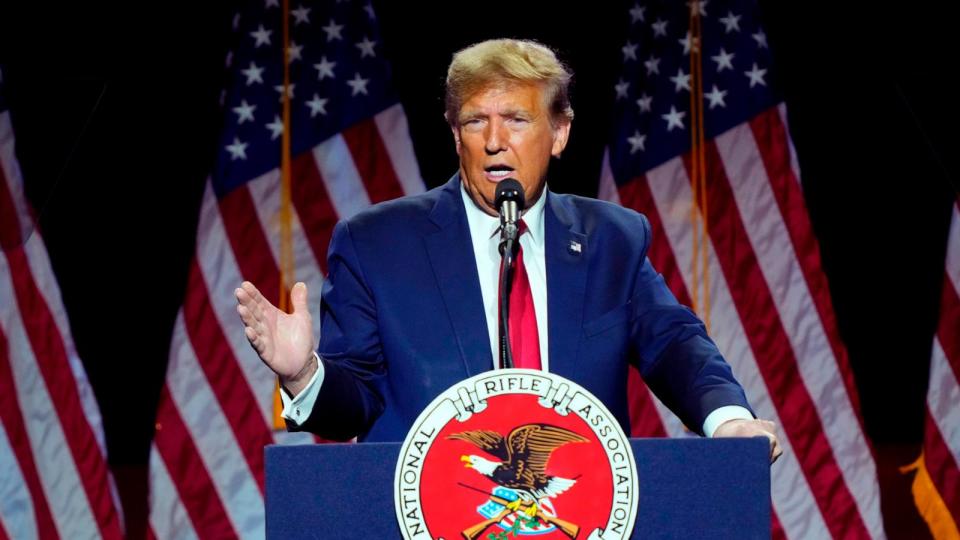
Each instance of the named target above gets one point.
<point>483,232</point>
<point>486,239</point>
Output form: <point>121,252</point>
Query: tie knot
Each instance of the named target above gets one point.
<point>521,228</point>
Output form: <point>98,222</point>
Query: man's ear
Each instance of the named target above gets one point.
<point>456,137</point>
<point>561,134</point>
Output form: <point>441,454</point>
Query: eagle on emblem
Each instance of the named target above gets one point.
<point>523,456</point>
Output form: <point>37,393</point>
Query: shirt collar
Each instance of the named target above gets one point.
<point>480,220</point>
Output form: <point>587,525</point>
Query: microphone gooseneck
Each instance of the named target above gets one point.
<point>510,202</point>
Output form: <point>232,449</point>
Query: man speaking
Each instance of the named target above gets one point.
<point>410,305</point>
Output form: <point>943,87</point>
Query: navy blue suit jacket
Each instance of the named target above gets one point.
<point>403,319</point>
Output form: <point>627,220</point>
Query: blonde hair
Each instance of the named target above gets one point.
<point>503,61</point>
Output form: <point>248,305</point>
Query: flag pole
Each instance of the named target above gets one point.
<point>287,268</point>
<point>700,278</point>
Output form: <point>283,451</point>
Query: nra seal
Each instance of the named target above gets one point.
<point>513,454</point>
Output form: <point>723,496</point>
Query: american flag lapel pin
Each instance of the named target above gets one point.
<point>574,248</point>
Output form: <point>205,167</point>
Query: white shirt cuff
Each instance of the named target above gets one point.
<point>297,409</point>
<point>721,415</point>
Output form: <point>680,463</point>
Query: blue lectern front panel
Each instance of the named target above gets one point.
<point>689,488</point>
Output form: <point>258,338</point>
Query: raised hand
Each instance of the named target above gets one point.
<point>284,341</point>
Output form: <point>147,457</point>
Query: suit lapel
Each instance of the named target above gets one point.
<point>566,262</point>
<point>451,254</point>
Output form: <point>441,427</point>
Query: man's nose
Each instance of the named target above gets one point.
<point>495,138</point>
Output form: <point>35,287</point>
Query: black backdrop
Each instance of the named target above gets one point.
<point>115,111</point>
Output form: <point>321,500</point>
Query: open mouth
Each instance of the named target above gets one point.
<point>498,172</point>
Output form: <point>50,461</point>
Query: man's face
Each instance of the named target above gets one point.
<point>505,132</point>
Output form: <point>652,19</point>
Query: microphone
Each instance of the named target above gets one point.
<point>510,201</point>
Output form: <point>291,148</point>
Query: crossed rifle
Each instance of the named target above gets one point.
<point>474,532</point>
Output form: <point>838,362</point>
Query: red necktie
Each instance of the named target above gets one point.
<point>524,336</point>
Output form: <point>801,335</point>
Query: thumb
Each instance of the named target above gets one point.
<point>298,297</point>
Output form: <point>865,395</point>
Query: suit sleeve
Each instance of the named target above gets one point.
<point>349,401</point>
<point>677,360</point>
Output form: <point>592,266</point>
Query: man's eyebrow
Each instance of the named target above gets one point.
<point>511,112</point>
<point>470,115</point>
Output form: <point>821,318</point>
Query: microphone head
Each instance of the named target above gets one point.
<point>509,189</point>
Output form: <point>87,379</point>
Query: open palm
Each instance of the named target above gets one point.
<point>284,341</point>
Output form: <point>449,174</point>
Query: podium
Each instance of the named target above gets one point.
<point>689,488</point>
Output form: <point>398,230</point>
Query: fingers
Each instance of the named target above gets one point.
<point>261,301</point>
<point>775,449</point>
<point>246,292</point>
<point>250,295</point>
<point>255,340</point>
<point>770,431</point>
<point>246,315</point>
<point>259,339</point>
<point>298,297</point>
<point>251,313</point>
<point>244,296</point>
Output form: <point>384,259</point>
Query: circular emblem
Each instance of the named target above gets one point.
<point>516,453</point>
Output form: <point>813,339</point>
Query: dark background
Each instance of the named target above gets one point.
<point>115,110</point>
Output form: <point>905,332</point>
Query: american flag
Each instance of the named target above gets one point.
<point>350,148</point>
<point>54,481</point>
<point>936,487</point>
<point>762,288</point>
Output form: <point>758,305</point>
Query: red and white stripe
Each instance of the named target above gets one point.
<point>772,318</point>
<point>216,408</point>
<point>55,481</point>
<point>941,446</point>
